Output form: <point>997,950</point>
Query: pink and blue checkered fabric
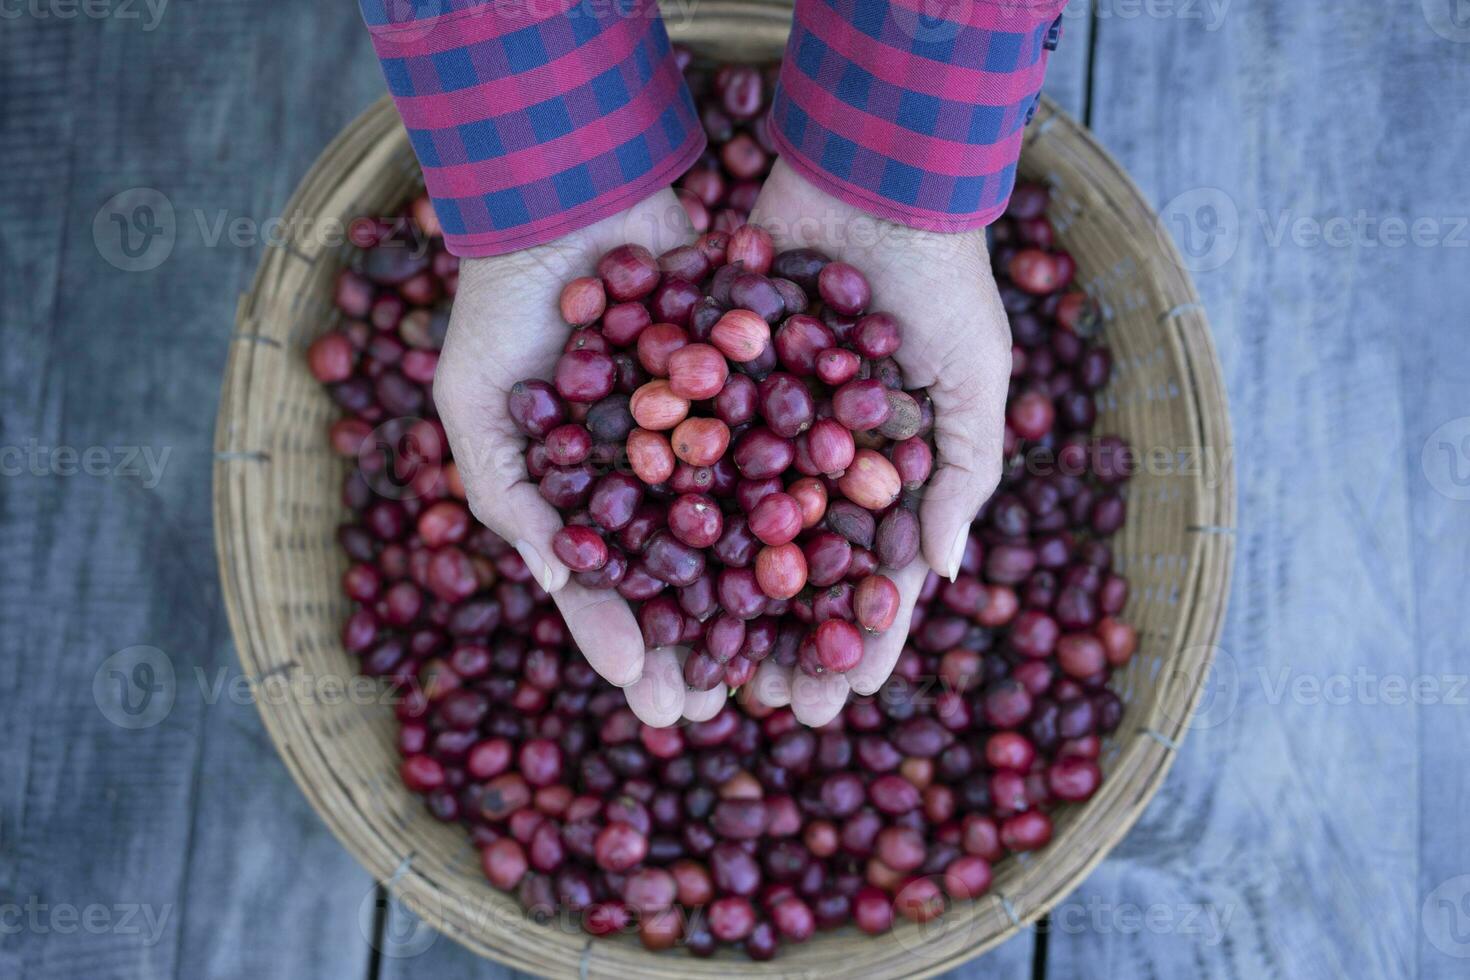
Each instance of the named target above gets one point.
<point>913,110</point>
<point>533,118</point>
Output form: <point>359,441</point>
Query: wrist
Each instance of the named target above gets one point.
<point>800,213</point>
<point>658,222</point>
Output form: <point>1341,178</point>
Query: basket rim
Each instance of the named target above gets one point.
<point>1150,751</point>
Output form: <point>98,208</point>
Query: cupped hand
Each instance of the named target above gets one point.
<point>506,327</point>
<point>957,344</point>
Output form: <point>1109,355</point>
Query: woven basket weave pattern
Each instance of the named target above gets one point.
<point>277,507</point>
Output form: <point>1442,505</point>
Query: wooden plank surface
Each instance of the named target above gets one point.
<point>1316,805</point>
<point>1068,69</point>
<point>1427,294</point>
<point>181,847</point>
<point>1297,836</point>
<point>304,71</point>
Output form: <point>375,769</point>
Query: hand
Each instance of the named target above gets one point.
<point>505,328</point>
<point>957,344</point>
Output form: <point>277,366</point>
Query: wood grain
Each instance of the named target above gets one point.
<point>1068,69</point>
<point>196,807</point>
<point>411,953</point>
<point>306,70</point>
<point>1425,293</point>
<point>1293,839</point>
<point>191,820</point>
<point>1302,829</point>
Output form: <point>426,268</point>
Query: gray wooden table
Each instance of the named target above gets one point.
<point>1312,162</point>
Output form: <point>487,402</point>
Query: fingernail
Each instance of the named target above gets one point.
<point>539,569</point>
<point>957,554</point>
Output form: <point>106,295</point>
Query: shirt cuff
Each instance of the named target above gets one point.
<point>910,110</point>
<point>533,120</point>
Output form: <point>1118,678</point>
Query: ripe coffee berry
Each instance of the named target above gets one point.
<point>781,474</point>
<point>996,713</point>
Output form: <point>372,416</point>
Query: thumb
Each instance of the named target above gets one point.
<point>519,515</point>
<point>501,497</point>
<point>490,454</point>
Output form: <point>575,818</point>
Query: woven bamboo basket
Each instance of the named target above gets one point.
<point>277,505</point>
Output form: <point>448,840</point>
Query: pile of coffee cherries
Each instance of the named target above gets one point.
<point>720,189</point>
<point>749,829</point>
<point>729,442</point>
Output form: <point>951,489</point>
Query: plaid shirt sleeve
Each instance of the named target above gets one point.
<point>532,120</point>
<point>913,110</point>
